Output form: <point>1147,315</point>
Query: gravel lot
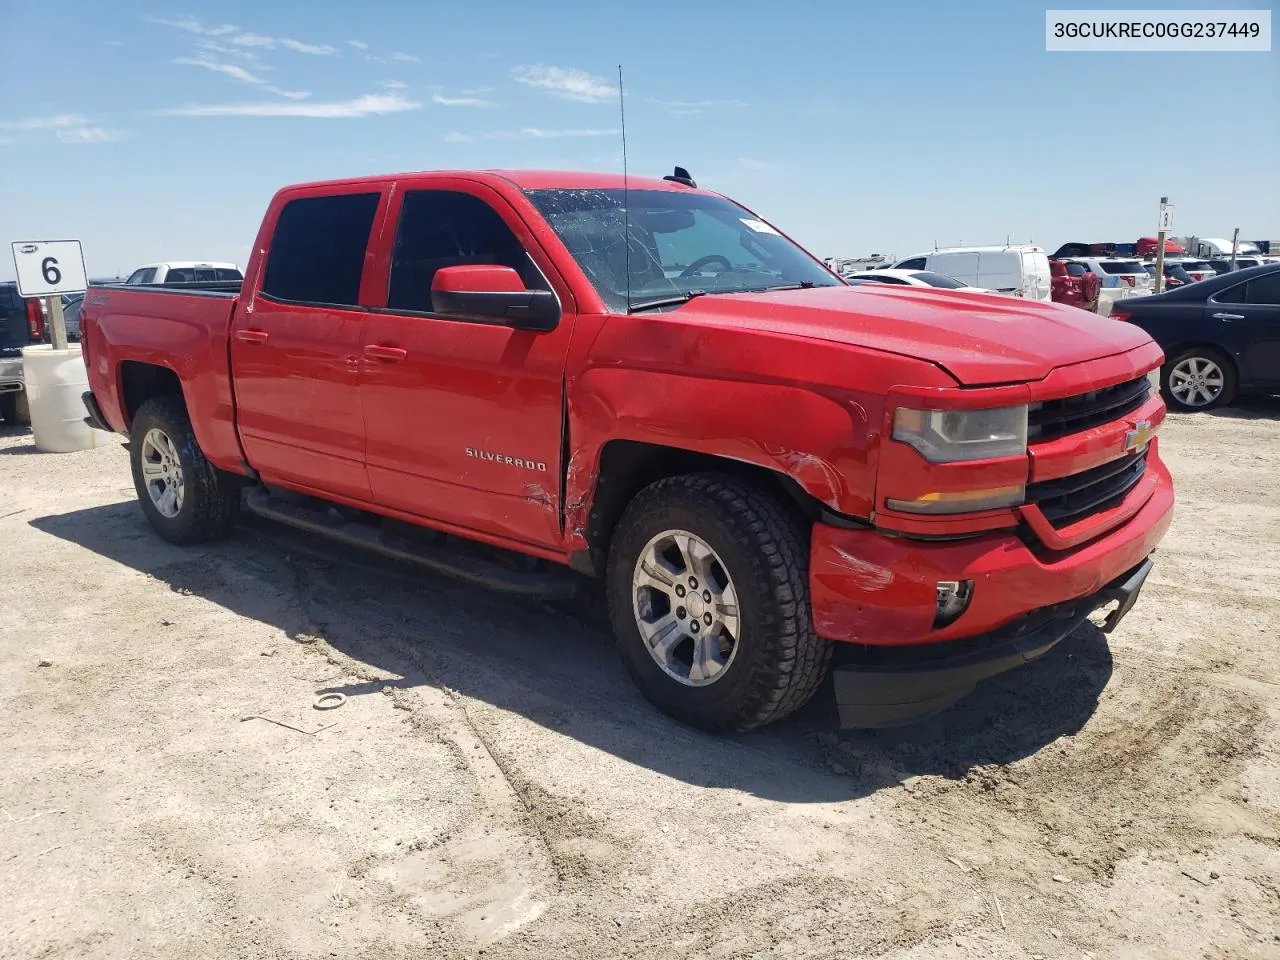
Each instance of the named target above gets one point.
<point>494,785</point>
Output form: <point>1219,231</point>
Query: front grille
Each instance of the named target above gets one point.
<point>1050,419</point>
<point>1070,499</point>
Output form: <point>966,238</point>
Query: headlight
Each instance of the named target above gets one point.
<point>951,436</point>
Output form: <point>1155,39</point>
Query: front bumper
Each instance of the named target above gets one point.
<point>872,589</point>
<point>890,686</point>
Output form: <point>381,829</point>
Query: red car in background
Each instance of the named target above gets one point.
<point>1074,284</point>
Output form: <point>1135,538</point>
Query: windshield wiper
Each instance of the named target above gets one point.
<point>665,301</point>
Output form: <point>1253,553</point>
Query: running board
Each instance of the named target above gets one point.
<point>552,583</point>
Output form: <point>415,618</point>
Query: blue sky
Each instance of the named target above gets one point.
<point>154,131</point>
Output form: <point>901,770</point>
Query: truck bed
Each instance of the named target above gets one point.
<point>184,329</point>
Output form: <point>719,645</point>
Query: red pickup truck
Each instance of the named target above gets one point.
<point>647,383</point>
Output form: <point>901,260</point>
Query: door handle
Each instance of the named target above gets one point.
<point>1228,316</point>
<point>376,351</point>
<point>252,336</point>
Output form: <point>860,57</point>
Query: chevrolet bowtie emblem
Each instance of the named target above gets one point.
<point>1138,437</point>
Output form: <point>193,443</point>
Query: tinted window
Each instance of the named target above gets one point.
<point>180,275</point>
<point>897,280</point>
<point>225,273</point>
<point>142,275</point>
<point>914,264</point>
<point>317,253</point>
<point>1076,269</point>
<point>1234,294</point>
<point>1123,266</point>
<point>439,228</point>
<point>1265,290</point>
<point>938,280</point>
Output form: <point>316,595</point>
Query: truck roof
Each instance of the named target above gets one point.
<point>523,179</point>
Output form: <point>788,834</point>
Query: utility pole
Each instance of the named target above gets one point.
<point>1166,222</point>
<point>1235,246</point>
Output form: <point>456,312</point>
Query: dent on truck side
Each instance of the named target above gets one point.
<point>805,409</point>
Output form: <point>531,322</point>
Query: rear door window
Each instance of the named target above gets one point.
<point>318,249</point>
<point>1076,269</point>
<point>915,263</point>
<point>1265,291</point>
<point>142,275</point>
<point>1131,267</point>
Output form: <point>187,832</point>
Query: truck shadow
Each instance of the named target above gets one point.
<point>556,667</point>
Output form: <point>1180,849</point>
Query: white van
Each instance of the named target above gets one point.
<point>1021,270</point>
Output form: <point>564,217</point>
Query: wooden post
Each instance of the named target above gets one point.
<point>1235,245</point>
<point>57,323</point>
<point>1160,249</point>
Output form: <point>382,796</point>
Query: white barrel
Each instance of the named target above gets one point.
<point>55,381</point>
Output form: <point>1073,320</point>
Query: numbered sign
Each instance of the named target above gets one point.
<point>46,268</point>
<point>1166,217</point>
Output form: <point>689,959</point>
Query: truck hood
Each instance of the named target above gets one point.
<point>978,339</point>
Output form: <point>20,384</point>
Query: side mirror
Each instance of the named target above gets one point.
<point>493,292</point>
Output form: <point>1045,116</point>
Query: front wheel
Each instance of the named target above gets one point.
<point>1201,378</point>
<point>186,499</point>
<point>708,593</point>
<point>14,409</point>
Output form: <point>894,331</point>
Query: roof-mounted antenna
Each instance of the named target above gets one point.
<point>626,214</point>
<point>681,175</point>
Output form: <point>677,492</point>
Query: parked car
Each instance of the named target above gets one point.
<point>1119,279</point>
<point>22,322</point>
<point>915,278</point>
<point>184,271</point>
<point>1074,284</point>
<point>1223,265</point>
<point>1175,275</point>
<point>1221,337</point>
<point>1021,269</point>
<point>944,488</point>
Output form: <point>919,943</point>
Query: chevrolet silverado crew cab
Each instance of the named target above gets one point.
<point>775,474</point>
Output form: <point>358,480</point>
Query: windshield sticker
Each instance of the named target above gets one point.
<point>759,226</point>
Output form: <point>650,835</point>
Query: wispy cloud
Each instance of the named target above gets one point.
<point>54,121</point>
<point>526,133</point>
<point>372,104</point>
<point>315,49</point>
<point>689,108</point>
<point>223,50</point>
<point>358,44</point>
<point>290,94</point>
<point>393,85</point>
<point>476,91</point>
<point>464,101</point>
<point>114,43</point>
<point>90,135</point>
<point>217,66</point>
<point>567,83</point>
<point>399,56</point>
<point>254,40</point>
<point>192,25</point>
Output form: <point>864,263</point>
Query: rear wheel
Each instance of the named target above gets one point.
<point>1200,378</point>
<point>14,409</point>
<point>185,498</point>
<point>708,594</point>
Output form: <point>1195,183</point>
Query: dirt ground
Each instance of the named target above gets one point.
<point>495,786</point>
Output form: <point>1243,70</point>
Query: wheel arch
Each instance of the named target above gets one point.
<point>626,467</point>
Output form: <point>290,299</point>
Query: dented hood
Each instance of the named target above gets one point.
<point>979,339</point>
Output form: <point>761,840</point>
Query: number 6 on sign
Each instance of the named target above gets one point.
<point>47,268</point>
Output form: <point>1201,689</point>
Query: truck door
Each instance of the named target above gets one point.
<point>295,347</point>
<point>464,420</point>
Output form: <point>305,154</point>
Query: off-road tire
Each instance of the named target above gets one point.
<point>764,547</point>
<point>211,498</point>
<point>15,411</point>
